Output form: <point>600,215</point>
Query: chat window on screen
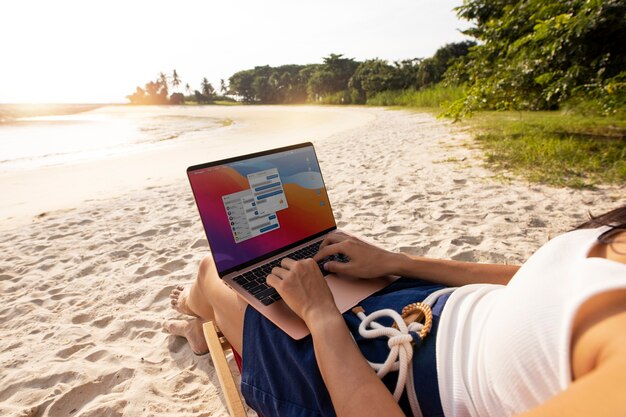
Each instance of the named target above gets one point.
<point>252,212</point>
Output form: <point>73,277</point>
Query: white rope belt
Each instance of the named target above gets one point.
<point>402,338</point>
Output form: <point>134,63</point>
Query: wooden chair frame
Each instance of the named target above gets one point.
<point>218,345</point>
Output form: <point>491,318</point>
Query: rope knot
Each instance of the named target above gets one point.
<point>399,339</point>
<point>406,332</point>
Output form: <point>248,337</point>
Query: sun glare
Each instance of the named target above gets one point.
<point>75,51</point>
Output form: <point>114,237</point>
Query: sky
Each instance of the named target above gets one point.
<point>98,51</point>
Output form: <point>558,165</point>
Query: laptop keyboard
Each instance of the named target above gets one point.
<point>254,281</point>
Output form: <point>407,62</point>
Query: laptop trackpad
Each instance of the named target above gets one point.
<point>349,291</point>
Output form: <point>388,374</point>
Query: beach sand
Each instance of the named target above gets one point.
<point>30,192</point>
<point>85,289</point>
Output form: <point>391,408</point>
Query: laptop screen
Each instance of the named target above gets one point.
<point>255,206</point>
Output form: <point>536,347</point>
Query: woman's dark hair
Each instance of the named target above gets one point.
<point>615,219</point>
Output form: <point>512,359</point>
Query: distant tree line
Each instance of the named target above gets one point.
<point>341,80</point>
<point>158,91</point>
<point>530,55</point>
<point>338,80</point>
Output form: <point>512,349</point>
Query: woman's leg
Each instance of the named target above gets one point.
<point>208,298</point>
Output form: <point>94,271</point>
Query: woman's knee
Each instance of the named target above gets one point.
<point>206,263</point>
<point>206,270</point>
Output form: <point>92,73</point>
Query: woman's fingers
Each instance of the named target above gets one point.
<point>332,249</point>
<point>336,267</point>
<point>273,281</point>
<point>296,281</point>
<point>333,238</point>
<point>287,263</point>
<point>282,273</point>
<point>322,253</point>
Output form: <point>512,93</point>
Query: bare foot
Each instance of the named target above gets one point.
<point>179,297</point>
<point>190,330</point>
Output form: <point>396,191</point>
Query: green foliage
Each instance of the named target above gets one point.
<point>163,84</point>
<point>291,84</point>
<point>331,77</point>
<point>155,92</point>
<point>377,78</point>
<point>226,101</point>
<point>200,98</point>
<point>177,98</point>
<point>536,55</point>
<point>554,147</point>
<point>433,97</point>
<point>607,98</point>
<point>340,80</point>
<point>241,84</point>
<point>340,97</point>
<point>175,79</point>
<point>431,70</point>
<point>372,77</point>
<point>207,90</point>
<point>270,85</point>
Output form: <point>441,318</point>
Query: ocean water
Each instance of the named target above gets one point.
<point>32,142</point>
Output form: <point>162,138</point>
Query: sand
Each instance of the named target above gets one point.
<point>27,193</point>
<point>85,290</point>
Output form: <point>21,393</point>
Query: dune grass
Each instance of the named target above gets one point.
<point>227,103</point>
<point>432,97</point>
<point>554,148</point>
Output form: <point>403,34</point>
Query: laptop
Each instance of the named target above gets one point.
<point>257,209</point>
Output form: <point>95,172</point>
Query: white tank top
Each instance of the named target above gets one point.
<point>502,350</point>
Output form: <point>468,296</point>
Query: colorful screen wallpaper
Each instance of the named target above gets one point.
<point>258,205</point>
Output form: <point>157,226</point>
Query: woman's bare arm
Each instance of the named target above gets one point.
<point>368,261</point>
<point>598,352</point>
<point>599,365</point>
<point>452,273</point>
<point>354,388</point>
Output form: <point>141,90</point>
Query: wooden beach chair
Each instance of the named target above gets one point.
<point>218,346</point>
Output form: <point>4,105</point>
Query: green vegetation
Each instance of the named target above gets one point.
<point>341,80</point>
<point>537,55</point>
<point>564,56</point>
<point>532,55</point>
<point>556,148</point>
<point>268,85</point>
<point>157,92</point>
<point>436,96</point>
<point>337,80</point>
<point>225,101</point>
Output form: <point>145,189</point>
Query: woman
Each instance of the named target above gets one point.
<point>544,339</point>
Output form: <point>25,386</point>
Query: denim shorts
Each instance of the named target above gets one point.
<point>280,376</point>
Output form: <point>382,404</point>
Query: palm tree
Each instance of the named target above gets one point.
<point>207,88</point>
<point>223,87</point>
<point>175,79</point>
<point>164,83</point>
<point>188,89</point>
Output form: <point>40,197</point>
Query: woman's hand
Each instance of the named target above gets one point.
<point>341,363</point>
<point>304,289</point>
<point>366,261</point>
